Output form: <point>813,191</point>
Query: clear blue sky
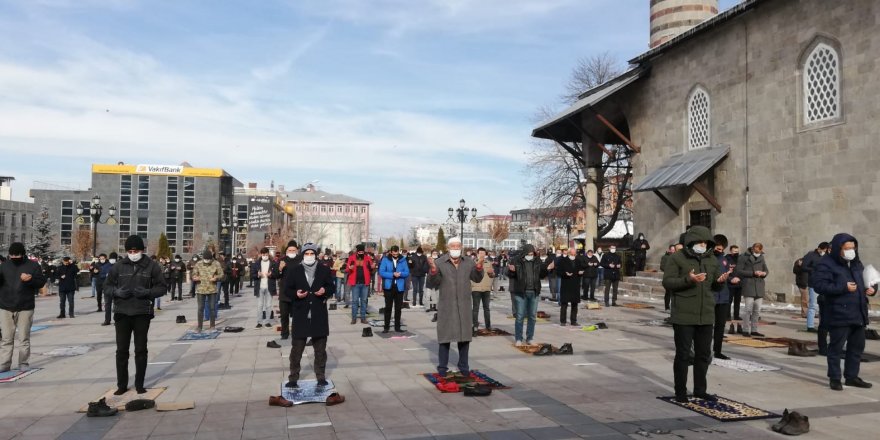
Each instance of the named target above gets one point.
<point>409,104</point>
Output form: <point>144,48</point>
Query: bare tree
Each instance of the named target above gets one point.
<point>499,231</point>
<point>557,178</point>
<point>82,244</point>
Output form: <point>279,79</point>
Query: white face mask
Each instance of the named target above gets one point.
<point>177,260</point>
<point>135,257</point>
<point>433,255</point>
<point>112,261</point>
<point>265,258</point>
<point>822,253</point>
<point>559,254</point>
<point>699,249</point>
<point>612,250</point>
<point>291,255</point>
<point>455,253</point>
<point>530,257</point>
<point>571,257</point>
<point>849,254</point>
<point>543,257</point>
<point>756,254</point>
<point>309,260</point>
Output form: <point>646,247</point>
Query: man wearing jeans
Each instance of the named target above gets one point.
<point>809,264</point>
<point>209,274</point>
<point>359,268</point>
<point>526,270</point>
<point>20,280</point>
<point>418,270</point>
<point>263,274</point>
<point>482,292</point>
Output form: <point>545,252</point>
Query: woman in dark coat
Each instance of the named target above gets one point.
<point>570,270</point>
<point>307,289</point>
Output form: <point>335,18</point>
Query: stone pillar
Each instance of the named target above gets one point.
<point>594,178</point>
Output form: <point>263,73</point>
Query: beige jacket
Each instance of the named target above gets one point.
<point>486,284</point>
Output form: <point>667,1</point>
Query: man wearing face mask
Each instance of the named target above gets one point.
<point>641,247</point>
<point>591,271</point>
<point>178,273</point>
<point>207,272</point>
<point>751,270</point>
<point>722,297</point>
<point>359,269</point>
<point>693,276</point>
<point>611,272</point>
<point>570,269</point>
<point>548,257</point>
<point>452,275</point>
<point>264,272</point>
<point>418,271</point>
<point>432,291</point>
<point>733,284</point>
<point>103,268</point>
<point>133,283</point>
<point>394,272</point>
<point>108,299</point>
<point>526,272</point>
<point>482,292</point>
<point>839,281</point>
<point>189,267</point>
<point>20,281</point>
<point>811,259</point>
<point>290,260</point>
<point>67,285</point>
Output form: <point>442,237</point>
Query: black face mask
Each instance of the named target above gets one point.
<point>360,254</point>
<point>16,260</point>
<point>719,252</point>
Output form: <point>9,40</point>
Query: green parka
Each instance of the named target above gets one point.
<point>693,303</point>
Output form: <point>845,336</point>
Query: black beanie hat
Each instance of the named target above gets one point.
<point>207,255</point>
<point>292,243</point>
<point>134,242</point>
<point>114,255</point>
<point>361,248</point>
<point>17,248</point>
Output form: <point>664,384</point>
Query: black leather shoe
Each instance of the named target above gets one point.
<point>681,398</point>
<point>757,335</point>
<point>273,344</point>
<point>323,383</point>
<point>731,330</point>
<point>722,356</point>
<point>545,350</point>
<point>434,319</point>
<point>797,424</point>
<point>706,396</point>
<point>398,330</point>
<point>786,416</point>
<point>836,385</point>
<point>385,330</point>
<point>100,409</point>
<point>291,384</point>
<point>739,329</point>
<point>565,349</point>
<point>367,332</point>
<point>858,383</point>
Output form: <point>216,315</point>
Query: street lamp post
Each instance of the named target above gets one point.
<point>95,211</point>
<point>553,237</point>
<point>461,214</point>
<point>568,232</point>
<point>224,235</point>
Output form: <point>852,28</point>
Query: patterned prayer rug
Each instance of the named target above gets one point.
<point>756,343</point>
<point>308,392</point>
<point>14,375</point>
<point>638,306</point>
<point>75,350</point>
<point>36,328</point>
<point>492,332</point>
<point>192,335</point>
<point>743,365</point>
<point>530,349</point>
<point>476,377</point>
<point>724,410</point>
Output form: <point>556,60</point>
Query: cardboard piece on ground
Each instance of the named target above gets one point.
<point>175,406</point>
<point>592,305</point>
<point>756,343</point>
<point>118,402</point>
<point>74,350</point>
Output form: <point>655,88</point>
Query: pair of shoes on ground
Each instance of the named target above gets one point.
<point>293,384</point>
<point>683,398</point>
<point>792,423</point>
<point>857,382</point>
<point>547,350</point>
<point>573,324</point>
<point>273,344</point>
<point>521,343</point>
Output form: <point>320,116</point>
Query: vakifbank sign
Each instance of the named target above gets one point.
<point>157,170</point>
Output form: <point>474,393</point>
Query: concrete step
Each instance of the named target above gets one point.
<point>648,281</point>
<point>649,274</point>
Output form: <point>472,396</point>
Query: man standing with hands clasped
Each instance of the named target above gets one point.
<point>452,276</point>
<point>693,276</point>
<point>20,280</point>
<point>394,272</point>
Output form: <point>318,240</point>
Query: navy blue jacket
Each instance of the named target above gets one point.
<point>274,274</point>
<point>722,295</point>
<point>69,282</point>
<point>829,277</point>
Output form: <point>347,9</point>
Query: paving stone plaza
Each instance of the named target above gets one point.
<point>607,390</point>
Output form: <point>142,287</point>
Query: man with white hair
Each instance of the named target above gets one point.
<point>452,276</point>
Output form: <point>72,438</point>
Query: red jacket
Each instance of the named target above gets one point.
<point>366,266</point>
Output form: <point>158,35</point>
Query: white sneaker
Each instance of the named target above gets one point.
<point>518,344</point>
<point>529,342</point>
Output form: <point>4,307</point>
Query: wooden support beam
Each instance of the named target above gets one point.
<point>579,156</point>
<point>616,131</point>
<point>666,201</point>
<point>587,135</point>
<point>705,193</point>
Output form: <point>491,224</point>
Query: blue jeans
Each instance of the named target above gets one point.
<point>526,306</point>
<point>418,289</point>
<point>94,288</point>
<point>601,276</point>
<point>340,288</point>
<point>207,307</point>
<point>811,309</point>
<point>359,301</point>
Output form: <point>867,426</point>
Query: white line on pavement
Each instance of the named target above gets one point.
<point>413,349</point>
<point>161,363</point>
<point>585,364</point>
<point>504,410</point>
<point>309,425</point>
<point>182,343</point>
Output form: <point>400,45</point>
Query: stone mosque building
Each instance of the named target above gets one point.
<point>760,122</point>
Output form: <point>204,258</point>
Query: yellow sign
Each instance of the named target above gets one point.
<point>157,170</point>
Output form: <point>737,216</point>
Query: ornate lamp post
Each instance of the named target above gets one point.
<point>95,211</point>
<point>567,232</point>
<point>461,214</point>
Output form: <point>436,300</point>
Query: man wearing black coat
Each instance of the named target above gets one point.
<point>418,271</point>
<point>264,272</point>
<point>133,283</point>
<point>591,271</point>
<point>20,280</point>
<point>67,284</point>
<point>290,260</point>
<point>178,273</point>
<point>307,287</point>
<point>611,268</point>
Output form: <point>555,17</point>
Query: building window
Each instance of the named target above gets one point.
<point>24,220</point>
<point>189,207</point>
<point>2,219</point>
<point>124,215</point>
<point>363,209</point>
<point>171,213</point>
<point>821,76</point>
<point>66,222</point>
<point>698,119</point>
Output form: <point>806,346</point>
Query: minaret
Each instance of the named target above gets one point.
<point>670,18</point>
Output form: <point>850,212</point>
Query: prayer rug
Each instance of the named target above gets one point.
<point>193,335</point>
<point>787,341</point>
<point>638,306</point>
<point>118,402</point>
<point>36,328</point>
<point>175,406</point>
<point>14,375</point>
<point>592,305</point>
<point>724,410</point>
<point>394,335</point>
<point>476,377</point>
<point>655,323</point>
<point>743,365</point>
<point>530,349</point>
<point>868,357</point>
<point>308,392</point>
<point>756,343</point>
<point>492,332</point>
<point>69,351</point>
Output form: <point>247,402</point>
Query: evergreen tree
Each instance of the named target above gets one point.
<point>441,240</point>
<point>402,244</point>
<point>380,251</point>
<point>164,250</point>
<point>41,238</point>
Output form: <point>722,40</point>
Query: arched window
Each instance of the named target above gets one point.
<point>699,118</point>
<point>821,76</point>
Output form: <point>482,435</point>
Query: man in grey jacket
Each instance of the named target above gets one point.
<point>452,276</point>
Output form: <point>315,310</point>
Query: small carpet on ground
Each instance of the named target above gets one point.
<point>118,402</point>
<point>529,349</point>
<point>192,335</point>
<point>75,350</point>
<point>308,392</point>
<point>476,377</point>
<point>724,410</point>
<point>638,306</point>
<point>394,335</point>
<point>655,323</point>
<point>755,343</point>
<point>14,375</point>
<point>744,365</point>
<point>492,332</point>
<point>36,328</point>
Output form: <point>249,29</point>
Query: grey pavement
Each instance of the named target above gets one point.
<point>612,395</point>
